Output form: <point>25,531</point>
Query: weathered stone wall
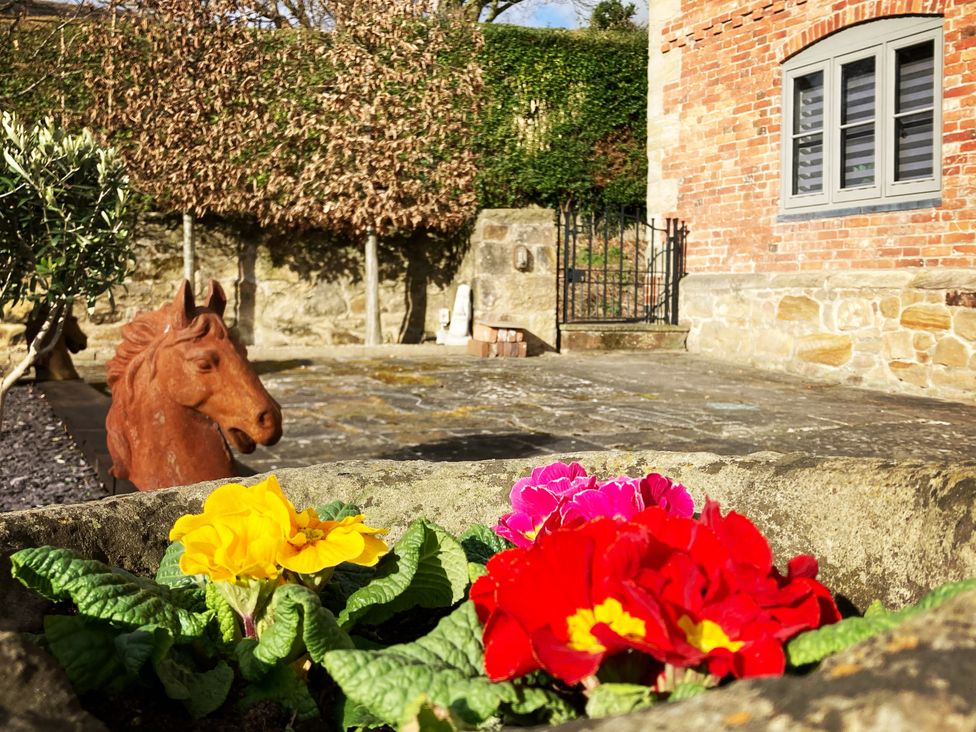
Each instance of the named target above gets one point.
<point>309,291</point>
<point>303,292</point>
<point>911,330</point>
<point>504,293</point>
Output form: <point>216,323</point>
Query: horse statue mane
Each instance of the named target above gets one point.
<point>182,389</point>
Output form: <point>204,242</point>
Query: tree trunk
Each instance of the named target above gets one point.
<point>372,277</point>
<point>55,318</point>
<point>189,252</point>
<point>414,294</point>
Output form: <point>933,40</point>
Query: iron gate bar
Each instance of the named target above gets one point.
<point>620,259</point>
<point>636,262</point>
<point>606,258</point>
<point>658,265</point>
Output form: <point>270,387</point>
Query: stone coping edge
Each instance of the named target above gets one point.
<point>623,327</point>
<point>907,278</point>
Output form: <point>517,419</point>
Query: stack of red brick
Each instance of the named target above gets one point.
<point>501,340</point>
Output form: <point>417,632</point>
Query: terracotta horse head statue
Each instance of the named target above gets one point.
<point>182,389</point>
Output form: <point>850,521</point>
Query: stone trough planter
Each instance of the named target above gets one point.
<point>880,529</point>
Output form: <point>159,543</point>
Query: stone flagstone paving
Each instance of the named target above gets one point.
<point>457,407</point>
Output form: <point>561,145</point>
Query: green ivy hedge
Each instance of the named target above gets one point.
<point>564,115</point>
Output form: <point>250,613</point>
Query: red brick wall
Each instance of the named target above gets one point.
<point>727,161</point>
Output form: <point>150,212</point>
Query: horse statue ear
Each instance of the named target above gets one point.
<point>216,299</point>
<point>184,305</point>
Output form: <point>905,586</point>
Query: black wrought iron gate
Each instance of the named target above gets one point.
<point>614,266</point>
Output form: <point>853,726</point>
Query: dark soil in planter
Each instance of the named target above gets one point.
<point>150,710</point>
<point>158,713</point>
<point>40,463</point>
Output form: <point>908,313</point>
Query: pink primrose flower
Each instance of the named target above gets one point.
<point>624,497</point>
<point>560,495</point>
<point>536,500</point>
<point>618,499</point>
<point>659,490</point>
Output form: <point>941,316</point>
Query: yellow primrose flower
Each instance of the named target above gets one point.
<point>316,545</point>
<point>239,534</point>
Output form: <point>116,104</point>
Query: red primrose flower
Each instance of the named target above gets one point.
<point>691,593</point>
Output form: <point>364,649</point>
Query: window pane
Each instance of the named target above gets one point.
<point>857,91</point>
<point>915,77</point>
<point>857,156</point>
<point>808,164</point>
<point>808,103</point>
<point>913,146</point>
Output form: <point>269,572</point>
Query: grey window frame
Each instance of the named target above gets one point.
<point>881,39</point>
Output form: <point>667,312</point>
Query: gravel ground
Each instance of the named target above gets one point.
<point>40,463</point>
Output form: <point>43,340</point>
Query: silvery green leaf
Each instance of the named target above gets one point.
<point>446,665</point>
<point>99,591</point>
<point>427,568</point>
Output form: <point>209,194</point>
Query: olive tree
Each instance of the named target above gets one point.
<point>63,226</point>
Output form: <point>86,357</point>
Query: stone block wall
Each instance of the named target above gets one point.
<point>301,293</point>
<point>909,330</point>
<point>309,292</point>
<point>501,291</point>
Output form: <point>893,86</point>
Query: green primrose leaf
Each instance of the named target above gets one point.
<point>815,645</point>
<point>427,568</point>
<point>481,543</point>
<point>876,608</point>
<point>347,579</point>
<point>421,715</point>
<point>86,653</point>
<point>282,685</point>
<point>200,692</point>
<point>96,655</point>
<point>227,622</point>
<point>355,717</point>
<point>134,649</point>
<point>251,668</point>
<point>336,510</point>
<point>296,622</point>
<point>447,665</point>
<point>99,591</point>
<point>940,594</point>
<point>608,700</point>
<point>169,572</point>
<point>476,570</point>
<point>687,690</point>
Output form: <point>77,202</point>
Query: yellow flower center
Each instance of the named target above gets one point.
<point>707,636</point>
<point>611,613</point>
<point>306,535</point>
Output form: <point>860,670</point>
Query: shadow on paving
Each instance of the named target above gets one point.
<point>489,447</point>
